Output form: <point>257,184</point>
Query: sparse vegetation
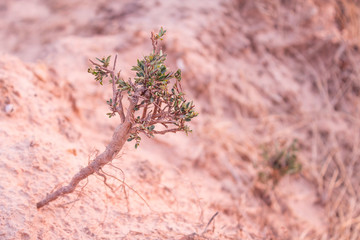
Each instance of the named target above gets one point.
<point>264,72</point>
<point>156,105</point>
<point>279,161</point>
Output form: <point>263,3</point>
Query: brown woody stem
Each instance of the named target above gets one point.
<point>118,140</point>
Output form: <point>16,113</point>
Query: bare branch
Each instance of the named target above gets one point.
<point>133,101</point>
<point>167,130</point>
<point>120,108</point>
<point>117,96</point>
<point>144,112</point>
<point>115,62</point>
<point>156,108</point>
<point>162,122</point>
<point>154,42</point>
<point>101,67</point>
<point>113,78</point>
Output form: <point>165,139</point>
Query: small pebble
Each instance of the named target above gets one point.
<point>9,108</point>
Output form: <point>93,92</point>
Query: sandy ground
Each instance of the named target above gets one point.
<point>262,74</point>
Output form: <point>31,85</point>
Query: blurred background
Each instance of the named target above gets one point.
<point>274,150</point>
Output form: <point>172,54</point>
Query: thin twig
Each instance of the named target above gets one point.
<point>115,62</point>
<point>211,219</point>
<point>120,108</point>
<point>166,131</point>
<point>144,112</point>
<point>162,122</point>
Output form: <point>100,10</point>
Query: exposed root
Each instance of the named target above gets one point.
<point>103,175</point>
<point>123,183</point>
<point>117,142</point>
<point>78,197</point>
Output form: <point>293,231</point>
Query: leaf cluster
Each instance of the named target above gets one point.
<point>98,72</point>
<point>280,162</point>
<point>157,104</point>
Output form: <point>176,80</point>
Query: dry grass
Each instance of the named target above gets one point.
<point>348,20</point>
<point>320,109</point>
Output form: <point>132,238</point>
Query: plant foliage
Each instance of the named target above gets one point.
<point>279,162</point>
<point>157,102</point>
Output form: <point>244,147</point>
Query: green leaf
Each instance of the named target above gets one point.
<point>162,69</point>
<point>107,61</point>
<point>140,74</point>
<point>141,64</point>
<point>177,75</point>
<point>109,102</point>
<point>136,68</point>
<point>161,32</point>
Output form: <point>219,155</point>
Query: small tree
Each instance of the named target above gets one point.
<point>156,105</point>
